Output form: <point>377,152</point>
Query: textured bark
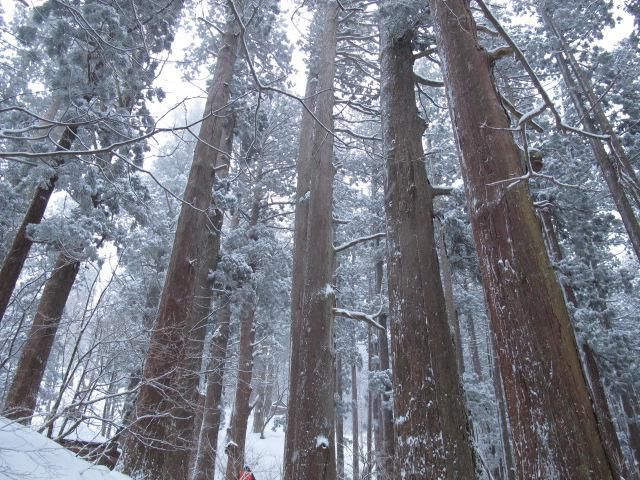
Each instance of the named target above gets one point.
<point>303,174</point>
<point>21,245</point>
<point>23,391</point>
<point>145,447</point>
<point>309,449</point>
<point>553,424</point>
<point>432,438</point>
<point>505,434</point>
<point>614,167</point>
<point>355,430</point>
<point>452,312</point>
<point>631,408</point>
<point>240,417</point>
<point>339,422</point>
<point>388,436</point>
<point>207,445</point>
<point>186,393</point>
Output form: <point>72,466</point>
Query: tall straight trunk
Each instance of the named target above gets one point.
<point>23,391</point>
<point>240,417</point>
<point>554,427</point>
<point>262,410</point>
<point>590,364</point>
<point>432,438</point>
<point>145,447</point>
<point>303,174</point>
<point>371,402</point>
<point>615,167</point>
<point>447,283</point>
<point>207,445</point>
<point>188,370</point>
<point>339,422</point>
<point>388,436</point>
<point>309,451</point>
<point>473,346</point>
<point>21,245</point>
<point>355,430</point>
<point>374,420</point>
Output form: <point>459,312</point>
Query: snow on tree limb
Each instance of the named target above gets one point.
<point>355,241</point>
<point>363,317</point>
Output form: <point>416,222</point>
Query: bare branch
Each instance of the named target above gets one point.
<point>356,241</point>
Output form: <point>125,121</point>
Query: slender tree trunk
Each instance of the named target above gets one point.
<point>23,391</point>
<point>590,364</point>
<point>473,346</point>
<point>19,250</point>
<point>262,410</point>
<point>145,448</point>
<point>432,438</point>
<point>309,452</point>
<point>610,165</point>
<point>551,417</point>
<point>355,430</point>
<point>388,437</point>
<point>447,283</point>
<point>241,410</point>
<point>371,404</point>
<point>339,421</point>
<point>207,445</point>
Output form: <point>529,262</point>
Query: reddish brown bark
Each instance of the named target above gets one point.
<point>432,438</point>
<point>23,391</point>
<point>207,444</point>
<point>355,425</point>
<point>145,447</point>
<point>551,417</point>
<point>339,423</point>
<point>309,448</point>
<point>19,250</point>
<point>240,417</point>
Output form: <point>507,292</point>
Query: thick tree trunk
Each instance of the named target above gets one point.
<point>19,250</point>
<point>207,445</point>
<point>551,417</point>
<point>23,391</point>
<point>186,385</point>
<point>432,438</point>
<point>303,174</point>
<point>145,448</point>
<point>309,451</point>
<point>614,167</point>
<point>241,410</point>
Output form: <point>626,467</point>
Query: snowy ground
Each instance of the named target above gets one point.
<point>25,454</point>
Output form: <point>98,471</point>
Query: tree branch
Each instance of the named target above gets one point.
<point>356,241</point>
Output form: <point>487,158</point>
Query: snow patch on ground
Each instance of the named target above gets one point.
<point>26,454</point>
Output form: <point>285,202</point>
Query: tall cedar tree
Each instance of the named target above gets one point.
<point>551,416</point>
<point>309,447</point>
<point>432,438</point>
<point>145,446</point>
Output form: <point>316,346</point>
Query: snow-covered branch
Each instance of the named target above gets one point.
<point>356,241</point>
<point>360,316</point>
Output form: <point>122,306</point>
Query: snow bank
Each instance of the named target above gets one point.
<point>25,454</point>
